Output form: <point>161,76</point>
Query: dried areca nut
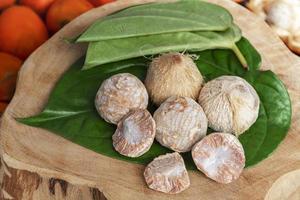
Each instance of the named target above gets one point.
<point>283,16</point>
<point>167,173</point>
<point>230,103</point>
<point>135,133</point>
<point>220,156</point>
<point>118,95</point>
<point>180,123</point>
<point>173,74</point>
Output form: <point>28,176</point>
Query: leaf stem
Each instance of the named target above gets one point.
<point>240,56</point>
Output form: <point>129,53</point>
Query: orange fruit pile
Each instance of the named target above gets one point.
<point>21,31</point>
<point>27,24</point>
<point>63,11</point>
<point>9,67</point>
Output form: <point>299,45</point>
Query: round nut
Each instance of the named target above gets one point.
<point>283,14</point>
<point>220,156</point>
<point>284,18</point>
<point>167,173</point>
<point>230,103</point>
<point>118,95</point>
<point>135,133</point>
<point>180,123</point>
<point>173,74</point>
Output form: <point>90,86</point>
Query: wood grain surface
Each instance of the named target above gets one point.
<point>50,157</point>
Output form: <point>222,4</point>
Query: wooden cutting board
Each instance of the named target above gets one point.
<point>40,165</point>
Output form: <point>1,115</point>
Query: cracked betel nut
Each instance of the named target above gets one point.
<point>135,133</point>
<point>230,103</point>
<point>220,156</point>
<point>167,173</point>
<point>173,74</point>
<point>180,123</point>
<point>118,95</point>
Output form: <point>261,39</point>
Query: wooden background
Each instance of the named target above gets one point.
<point>37,164</point>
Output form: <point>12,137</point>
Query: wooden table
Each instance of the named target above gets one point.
<point>40,165</point>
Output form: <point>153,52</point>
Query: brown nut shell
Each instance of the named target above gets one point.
<point>173,74</point>
<point>167,173</point>
<point>220,156</point>
<point>180,123</point>
<point>135,133</point>
<point>118,95</point>
<point>230,103</point>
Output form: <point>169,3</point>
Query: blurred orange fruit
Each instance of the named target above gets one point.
<point>62,12</point>
<point>100,2</point>
<point>39,6</point>
<point>21,31</point>
<point>239,1</point>
<point>6,3</point>
<point>3,106</point>
<point>9,67</point>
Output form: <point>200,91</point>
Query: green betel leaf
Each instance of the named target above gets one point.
<point>252,57</point>
<point>70,111</point>
<point>276,102</point>
<point>108,51</point>
<point>158,18</point>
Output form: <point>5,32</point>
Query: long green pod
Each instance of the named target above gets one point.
<point>149,19</point>
<point>107,51</point>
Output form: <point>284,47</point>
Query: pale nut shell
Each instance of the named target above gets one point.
<point>180,123</point>
<point>280,13</point>
<point>220,156</point>
<point>284,18</point>
<point>135,133</point>
<point>173,74</point>
<point>118,95</point>
<point>167,173</point>
<point>230,103</point>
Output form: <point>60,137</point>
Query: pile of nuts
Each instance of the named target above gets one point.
<point>227,104</point>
